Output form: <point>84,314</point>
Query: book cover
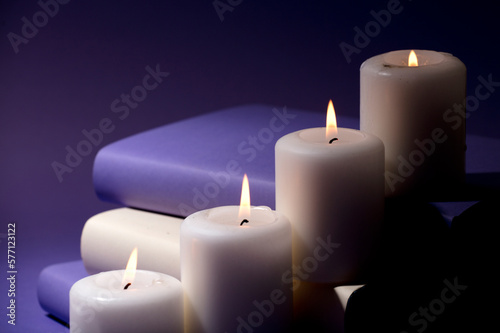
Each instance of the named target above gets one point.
<point>198,163</point>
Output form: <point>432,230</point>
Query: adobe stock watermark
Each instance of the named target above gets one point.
<point>223,6</point>
<point>425,315</point>
<point>121,108</point>
<point>373,28</point>
<point>453,117</point>
<point>247,323</point>
<point>249,148</point>
<point>11,273</point>
<point>30,28</point>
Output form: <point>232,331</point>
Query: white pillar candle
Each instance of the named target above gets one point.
<point>333,195</point>
<point>117,301</point>
<point>418,110</point>
<point>233,274</point>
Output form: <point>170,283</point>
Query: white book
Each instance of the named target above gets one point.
<point>108,239</point>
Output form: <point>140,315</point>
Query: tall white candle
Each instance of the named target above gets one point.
<point>232,270</point>
<point>153,302</point>
<point>333,195</point>
<point>413,108</point>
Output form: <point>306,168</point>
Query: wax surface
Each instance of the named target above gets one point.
<point>152,303</point>
<point>417,113</point>
<point>333,196</point>
<point>230,271</point>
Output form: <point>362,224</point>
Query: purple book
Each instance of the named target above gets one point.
<point>199,163</point>
<point>54,284</point>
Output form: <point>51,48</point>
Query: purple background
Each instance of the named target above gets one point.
<point>64,79</point>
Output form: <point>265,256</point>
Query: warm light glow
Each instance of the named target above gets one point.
<point>331,123</point>
<point>244,212</point>
<point>129,275</point>
<point>412,59</point>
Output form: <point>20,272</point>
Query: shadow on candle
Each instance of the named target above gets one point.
<point>430,278</point>
<point>413,241</point>
<point>403,276</point>
<point>475,246</point>
<point>477,186</point>
<point>193,323</point>
<point>317,308</point>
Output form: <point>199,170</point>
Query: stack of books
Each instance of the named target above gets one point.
<point>164,174</point>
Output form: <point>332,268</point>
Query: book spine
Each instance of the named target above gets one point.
<point>54,283</point>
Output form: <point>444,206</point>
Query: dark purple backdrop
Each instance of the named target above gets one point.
<point>84,55</point>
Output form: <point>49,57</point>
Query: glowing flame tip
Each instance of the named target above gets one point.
<point>129,275</point>
<point>331,122</point>
<point>412,59</point>
<point>244,212</point>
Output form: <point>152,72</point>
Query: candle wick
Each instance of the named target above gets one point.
<point>127,285</point>
<point>334,139</point>
<point>244,221</point>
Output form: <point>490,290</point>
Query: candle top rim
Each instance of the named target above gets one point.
<point>144,278</point>
<point>223,221</point>
<point>425,58</point>
<point>316,135</point>
<point>109,286</point>
<point>397,61</point>
<point>223,216</point>
<point>357,142</point>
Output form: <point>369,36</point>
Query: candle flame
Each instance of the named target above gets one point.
<point>412,59</point>
<point>331,123</point>
<point>129,275</point>
<point>244,212</point>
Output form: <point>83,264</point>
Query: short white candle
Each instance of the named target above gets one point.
<point>232,270</point>
<point>333,195</point>
<point>418,110</point>
<point>153,302</point>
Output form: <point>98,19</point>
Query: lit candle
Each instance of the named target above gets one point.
<point>329,183</point>
<point>127,301</point>
<point>232,265</point>
<point>412,100</point>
